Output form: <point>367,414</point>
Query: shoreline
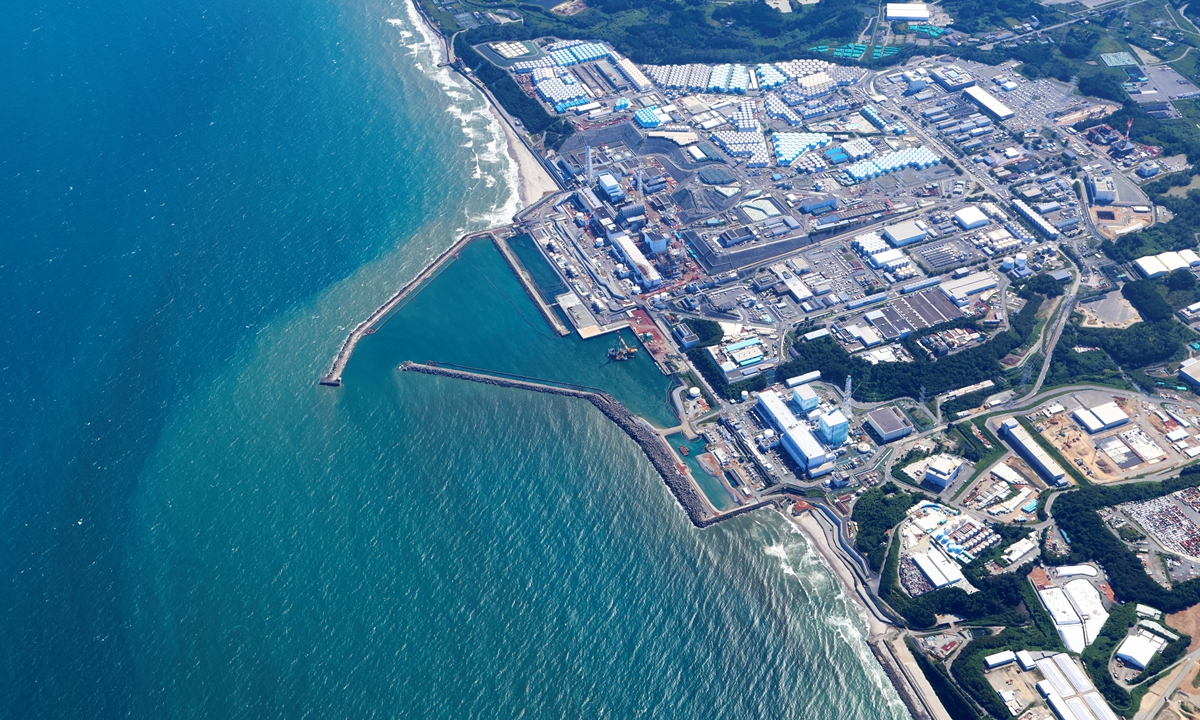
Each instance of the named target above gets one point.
<point>812,529</point>
<point>885,640</point>
<point>533,181</point>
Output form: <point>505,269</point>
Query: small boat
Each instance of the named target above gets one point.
<point>684,451</point>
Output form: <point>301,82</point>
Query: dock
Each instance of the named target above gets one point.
<point>518,268</point>
<point>698,510</point>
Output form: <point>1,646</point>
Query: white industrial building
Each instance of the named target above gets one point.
<point>936,568</point>
<point>1154,266</point>
<point>1139,649</point>
<point>1077,611</point>
<point>1033,453</point>
<point>893,259</point>
<point>1100,418</point>
<point>970,217</point>
<point>805,398</point>
<point>1066,687</point>
<point>648,276</point>
<point>952,78</point>
<point>960,290</point>
<point>1086,599</point>
<point>1150,266</point>
<point>918,12</point>
<point>1189,372</point>
<point>906,233</point>
<point>1066,620</point>
<point>1102,189</point>
<point>796,438</point>
<point>988,102</point>
<point>942,470</point>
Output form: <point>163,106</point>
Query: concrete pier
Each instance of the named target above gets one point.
<point>655,448</point>
<point>514,264</point>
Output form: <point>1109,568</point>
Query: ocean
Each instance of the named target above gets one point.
<point>199,200</point>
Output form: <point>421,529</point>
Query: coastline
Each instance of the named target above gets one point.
<point>533,181</point>
<point>885,640</point>
<point>813,530</point>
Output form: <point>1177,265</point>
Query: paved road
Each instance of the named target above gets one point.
<point>1154,709</point>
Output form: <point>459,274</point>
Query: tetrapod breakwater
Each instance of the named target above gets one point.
<point>660,456</point>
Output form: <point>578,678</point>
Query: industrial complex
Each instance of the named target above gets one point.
<point>740,218</point>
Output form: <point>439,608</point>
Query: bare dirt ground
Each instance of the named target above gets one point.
<point>1187,622</point>
<point>1113,311</point>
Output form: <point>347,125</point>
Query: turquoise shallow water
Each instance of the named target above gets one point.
<point>200,201</point>
<point>476,314</point>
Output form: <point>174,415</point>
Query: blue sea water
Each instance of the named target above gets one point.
<point>197,201</point>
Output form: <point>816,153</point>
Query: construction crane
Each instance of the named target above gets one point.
<point>621,351</point>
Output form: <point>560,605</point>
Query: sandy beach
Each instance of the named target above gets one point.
<point>814,530</point>
<point>535,183</point>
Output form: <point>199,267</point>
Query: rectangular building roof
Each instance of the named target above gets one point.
<point>1089,421</point>
<point>1150,266</point>
<point>1138,650</point>
<point>886,419</point>
<point>1072,672</point>
<point>906,232</point>
<point>1034,453</point>
<point>1110,414</point>
<point>800,439</point>
<point>1055,677</point>
<point>1099,708</point>
<point>1000,658</point>
<point>970,217</point>
<point>907,11</point>
<point>1059,607</point>
<point>987,101</point>
<point>776,409</point>
<point>635,257</point>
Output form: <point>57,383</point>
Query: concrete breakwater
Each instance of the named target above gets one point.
<point>514,264</point>
<point>333,378</point>
<point>893,669</point>
<point>655,449</point>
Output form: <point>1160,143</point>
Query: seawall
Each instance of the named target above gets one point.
<point>526,280</point>
<point>655,449</point>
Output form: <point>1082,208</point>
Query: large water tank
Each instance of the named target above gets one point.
<point>694,392</point>
<point>1022,258</point>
